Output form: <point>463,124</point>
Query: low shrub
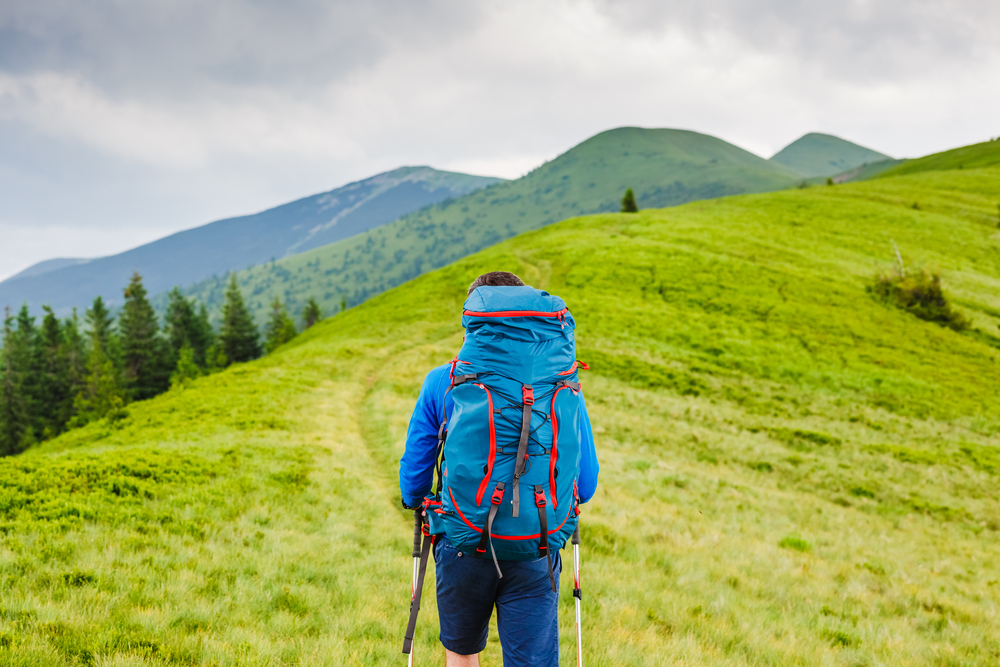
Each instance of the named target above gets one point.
<point>796,543</point>
<point>918,293</point>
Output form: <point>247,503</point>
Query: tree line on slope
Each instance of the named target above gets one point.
<point>62,374</point>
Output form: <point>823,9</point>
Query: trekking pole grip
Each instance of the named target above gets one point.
<point>417,531</point>
<point>576,534</point>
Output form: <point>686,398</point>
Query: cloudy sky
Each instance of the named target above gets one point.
<point>124,120</point>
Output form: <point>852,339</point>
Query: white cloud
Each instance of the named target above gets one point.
<point>163,115</point>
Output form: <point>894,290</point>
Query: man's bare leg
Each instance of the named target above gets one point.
<point>456,660</point>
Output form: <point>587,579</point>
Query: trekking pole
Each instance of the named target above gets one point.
<point>576,594</point>
<point>417,526</point>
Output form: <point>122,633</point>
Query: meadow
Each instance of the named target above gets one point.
<point>792,472</point>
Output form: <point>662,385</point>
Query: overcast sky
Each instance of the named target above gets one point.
<point>122,121</point>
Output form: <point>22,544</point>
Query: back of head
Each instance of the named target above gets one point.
<point>496,279</point>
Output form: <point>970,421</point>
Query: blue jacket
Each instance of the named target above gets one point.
<point>416,468</point>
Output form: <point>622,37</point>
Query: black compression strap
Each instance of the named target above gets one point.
<point>543,533</point>
<point>411,625</point>
<point>485,542</point>
<point>484,539</point>
<point>522,446</point>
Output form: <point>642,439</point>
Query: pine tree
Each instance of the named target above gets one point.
<point>27,359</point>
<point>55,381</point>
<point>202,337</point>
<point>144,354</point>
<point>178,322</point>
<point>183,326</point>
<point>628,202</point>
<point>75,355</point>
<point>239,339</point>
<point>15,425</point>
<point>280,328</point>
<point>102,394</point>
<point>100,322</point>
<point>311,314</point>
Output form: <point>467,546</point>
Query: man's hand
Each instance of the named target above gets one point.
<point>402,500</point>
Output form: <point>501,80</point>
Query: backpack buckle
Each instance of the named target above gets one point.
<point>497,494</point>
<point>528,395</point>
<point>539,498</point>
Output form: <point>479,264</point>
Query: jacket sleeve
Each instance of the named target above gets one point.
<point>416,468</point>
<point>589,468</point>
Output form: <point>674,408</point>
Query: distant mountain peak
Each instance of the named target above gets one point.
<point>817,154</point>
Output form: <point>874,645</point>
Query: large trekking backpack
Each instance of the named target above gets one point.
<point>511,447</point>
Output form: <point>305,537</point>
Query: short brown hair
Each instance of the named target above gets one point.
<point>496,279</point>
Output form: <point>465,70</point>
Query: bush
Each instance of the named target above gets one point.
<point>920,294</point>
<point>796,543</point>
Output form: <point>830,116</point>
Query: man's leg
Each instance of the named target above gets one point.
<point>528,613</point>
<point>466,592</point>
<point>456,660</point>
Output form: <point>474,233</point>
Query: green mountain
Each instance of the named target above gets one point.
<point>663,167</point>
<point>236,243</point>
<point>824,155</point>
<point>792,472</point>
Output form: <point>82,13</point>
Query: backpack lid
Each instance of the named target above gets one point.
<point>524,313</point>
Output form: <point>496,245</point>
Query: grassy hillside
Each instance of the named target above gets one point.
<point>824,155</point>
<point>663,167</point>
<point>236,243</point>
<point>792,473</point>
<point>865,171</point>
<point>976,156</point>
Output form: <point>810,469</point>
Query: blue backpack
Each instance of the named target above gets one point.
<point>511,447</point>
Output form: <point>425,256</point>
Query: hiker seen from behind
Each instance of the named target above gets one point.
<point>504,430</point>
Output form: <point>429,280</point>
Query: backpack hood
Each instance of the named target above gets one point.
<point>524,333</point>
<point>521,313</point>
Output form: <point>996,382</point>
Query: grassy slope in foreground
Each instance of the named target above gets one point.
<point>815,154</point>
<point>791,473</point>
<point>664,167</point>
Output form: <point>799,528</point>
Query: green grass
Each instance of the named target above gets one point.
<point>663,167</point>
<point>976,156</point>
<point>864,172</point>
<point>793,473</point>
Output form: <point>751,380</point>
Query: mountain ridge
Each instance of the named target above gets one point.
<point>664,167</point>
<point>46,266</point>
<point>237,242</point>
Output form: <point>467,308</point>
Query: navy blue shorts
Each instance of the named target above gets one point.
<point>527,610</point>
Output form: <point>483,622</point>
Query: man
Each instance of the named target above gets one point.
<point>524,592</point>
